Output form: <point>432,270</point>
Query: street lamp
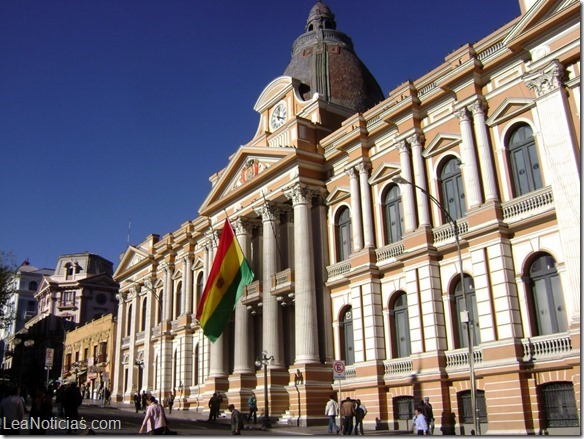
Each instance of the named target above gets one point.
<point>265,360</point>
<point>464,315</point>
<point>27,344</point>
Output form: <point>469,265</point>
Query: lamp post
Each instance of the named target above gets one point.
<point>265,360</point>
<point>465,315</point>
<point>27,343</point>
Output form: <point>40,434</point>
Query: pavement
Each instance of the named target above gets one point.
<point>225,418</point>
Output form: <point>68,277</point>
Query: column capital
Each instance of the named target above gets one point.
<point>463,115</point>
<point>402,146</point>
<point>363,167</point>
<point>416,139</point>
<point>268,211</point>
<point>300,194</point>
<point>545,80</point>
<point>242,226</point>
<point>351,172</point>
<point>478,107</point>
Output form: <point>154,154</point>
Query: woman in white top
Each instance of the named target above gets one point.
<point>331,410</point>
<point>155,419</point>
<point>420,424</point>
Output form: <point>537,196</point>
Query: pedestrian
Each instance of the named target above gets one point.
<point>71,402</point>
<point>144,400</point>
<point>236,420</point>
<point>347,412</point>
<point>170,402</point>
<point>360,412</point>
<point>137,401</point>
<point>426,409</point>
<point>155,419</point>
<point>420,424</point>
<point>59,399</point>
<point>332,410</point>
<point>107,394</point>
<point>41,410</point>
<point>214,405</point>
<point>11,409</point>
<point>252,402</point>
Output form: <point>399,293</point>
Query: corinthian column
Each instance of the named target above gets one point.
<point>271,320</point>
<point>242,346</point>
<point>407,189</point>
<point>217,363</point>
<point>485,157</point>
<point>356,219</point>
<point>305,303</point>
<point>470,172</point>
<point>366,208</point>
<point>420,179</point>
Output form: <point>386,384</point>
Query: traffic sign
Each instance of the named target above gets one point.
<point>339,370</point>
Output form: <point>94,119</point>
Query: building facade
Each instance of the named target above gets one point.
<point>430,239</point>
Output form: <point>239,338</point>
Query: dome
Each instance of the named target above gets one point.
<point>324,60</point>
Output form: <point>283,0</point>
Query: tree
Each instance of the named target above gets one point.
<point>7,271</point>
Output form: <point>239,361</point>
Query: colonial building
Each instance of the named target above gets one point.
<point>88,354</point>
<point>429,238</point>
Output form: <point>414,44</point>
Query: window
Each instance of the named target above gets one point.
<point>144,309</point>
<point>465,404</point>
<point>343,235</point>
<point>159,304</point>
<point>400,326</point>
<point>200,288</point>
<point>129,321</point>
<point>547,298</point>
<point>452,189</point>
<point>32,286</point>
<point>403,407</point>
<point>524,161</point>
<point>346,333</point>
<point>178,301</point>
<point>459,306</point>
<point>392,215</point>
<point>559,404</point>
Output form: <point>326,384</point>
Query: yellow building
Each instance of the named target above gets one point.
<point>428,238</point>
<point>88,355</point>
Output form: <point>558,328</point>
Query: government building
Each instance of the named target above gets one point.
<point>427,239</point>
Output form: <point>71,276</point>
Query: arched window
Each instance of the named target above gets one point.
<point>143,319</point>
<point>547,297</point>
<point>200,288</point>
<point>347,339</point>
<point>178,301</point>
<point>559,404</point>
<point>399,322</point>
<point>392,215</point>
<point>461,330</point>
<point>159,303</point>
<point>524,161</point>
<point>196,367</point>
<point>452,189</point>
<point>343,234</point>
<point>129,321</point>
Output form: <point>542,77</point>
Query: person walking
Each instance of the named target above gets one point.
<point>137,402</point>
<point>360,412</point>
<point>332,410</point>
<point>144,400</point>
<point>214,405</point>
<point>420,424</point>
<point>41,410</point>
<point>71,401</point>
<point>170,402</point>
<point>236,420</point>
<point>426,409</point>
<point>348,412</point>
<point>155,419</point>
<point>252,402</point>
<point>11,409</point>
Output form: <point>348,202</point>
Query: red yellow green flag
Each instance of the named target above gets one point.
<point>229,274</point>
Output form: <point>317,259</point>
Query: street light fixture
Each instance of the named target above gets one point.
<point>464,315</point>
<point>27,344</point>
<point>265,360</point>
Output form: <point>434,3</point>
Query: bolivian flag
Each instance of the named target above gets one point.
<point>229,274</point>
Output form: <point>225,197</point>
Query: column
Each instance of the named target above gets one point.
<point>217,364</point>
<point>470,172</point>
<point>356,221</point>
<point>188,285</point>
<point>168,270</point>
<point>118,389</point>
<point>559,146</point>
<point>132,381</point>
<point>420,179</point>
<point>407,189</point>
<point>305,296</point>
<point>243,348</point>
<point>477,109</point>
<point>366,206</point>
<point>271,319</point>
<point>166,344</point>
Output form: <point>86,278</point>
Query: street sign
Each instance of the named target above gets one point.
<point>49,356</point>
<point>339,370</point>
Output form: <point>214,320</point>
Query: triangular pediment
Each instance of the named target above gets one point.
<point>247,164</point>
<point>339,193</point>
<point>383,172</point>
<point>509,108</point>
<point>442,142</point>
<point>539,14</point>
<point>100,280</point>
<point>132,258</point>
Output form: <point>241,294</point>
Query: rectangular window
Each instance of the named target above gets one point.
<point>404,407</point>
<point>465,404</point>
<point>560,405</point>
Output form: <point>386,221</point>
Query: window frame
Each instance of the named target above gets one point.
<point>392,207</point>
<point>452,190</point>
<point>524,162</point>
<point>343,235</point>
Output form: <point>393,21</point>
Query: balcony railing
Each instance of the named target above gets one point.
<point>459,358</point>
<point>389,251</point>
<point>338,269</point>
<point>400,366</point>
<point>446,231</point>
<point>546,347</point>
<point>528,205</point>
<point>252,293</point>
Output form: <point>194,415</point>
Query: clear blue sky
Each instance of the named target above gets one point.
<point>112,110</point>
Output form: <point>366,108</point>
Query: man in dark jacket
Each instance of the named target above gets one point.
<point>347,412</point>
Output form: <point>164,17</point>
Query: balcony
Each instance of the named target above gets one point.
<point>458,358</point>
<point>528,205</point>
<point>389,252</point>
<point>397,368</point>
<point>546,347</point>
<point>338,269</point>
<point>283,287</point>
<point>252,294</point>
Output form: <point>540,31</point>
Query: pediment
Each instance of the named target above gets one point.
<point>509,108</point>
<point>273,92</point>
<point>537,15</point>
<point>442,142</point>
<point>245,165</point>
<point>103,280</point>
<point>133,257</point>
<point>339,193</point>
<point>383,172</point>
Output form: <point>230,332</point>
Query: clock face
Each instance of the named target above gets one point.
<point>278,116</point>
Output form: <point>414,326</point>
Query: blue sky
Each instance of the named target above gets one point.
<point>119,110</point>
